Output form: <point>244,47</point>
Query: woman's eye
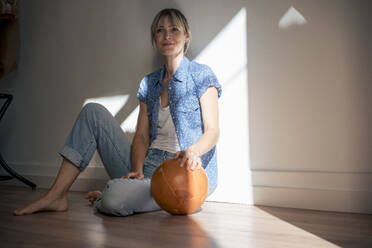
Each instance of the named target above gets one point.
<point>175,29</point>
<point>159,30</point>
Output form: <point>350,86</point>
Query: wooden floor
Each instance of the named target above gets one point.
<point>216,225</point>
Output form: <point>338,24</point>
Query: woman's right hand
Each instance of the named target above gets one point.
<point>133,175</point>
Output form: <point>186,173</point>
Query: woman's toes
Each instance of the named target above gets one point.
<point>92,196</point>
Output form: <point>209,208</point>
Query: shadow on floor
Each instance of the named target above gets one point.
<point>166,230</point>
<point>346,230</point>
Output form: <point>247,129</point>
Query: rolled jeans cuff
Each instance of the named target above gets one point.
<point>73,156</point>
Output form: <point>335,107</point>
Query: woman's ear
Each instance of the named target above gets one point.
<point>187,36</point>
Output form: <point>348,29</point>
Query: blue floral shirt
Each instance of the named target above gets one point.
<point>185,88</point>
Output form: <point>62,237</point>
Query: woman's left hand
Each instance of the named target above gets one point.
<point>189,158</point>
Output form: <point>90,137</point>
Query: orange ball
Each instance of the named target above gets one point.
<point>177,190</point>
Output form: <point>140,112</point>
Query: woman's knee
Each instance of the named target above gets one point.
<point>117,198</point>
<point>95,111</point>
<point>113,206</point>
<point>123,197</point>
<point>94,108</point>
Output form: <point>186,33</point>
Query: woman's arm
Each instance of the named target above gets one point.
<point>140,144</point>
<point>209,108</point>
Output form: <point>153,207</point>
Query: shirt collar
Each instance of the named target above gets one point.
<point>181,72</point>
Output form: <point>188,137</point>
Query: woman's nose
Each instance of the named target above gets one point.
<point>167,34</point>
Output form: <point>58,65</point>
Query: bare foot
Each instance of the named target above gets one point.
<point>92,196</point>
<point>46,203</point>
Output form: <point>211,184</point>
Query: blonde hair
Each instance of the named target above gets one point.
<point>176,17</point>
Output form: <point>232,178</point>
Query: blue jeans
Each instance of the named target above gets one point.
<point>95,128</point>
<point>123,197</point>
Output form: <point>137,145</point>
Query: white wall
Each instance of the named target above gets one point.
<point>310,106</point>
<point>309,90</point>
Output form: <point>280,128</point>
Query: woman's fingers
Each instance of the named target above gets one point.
<point>177,154</point>
<point>135,175</point>
<point>193,165</point>
<point>199,165</point>
<point>190,164</point>
<point>127,175</point>
<point>189,160</point>
<point>183,161</point>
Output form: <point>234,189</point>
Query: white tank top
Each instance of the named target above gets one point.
<point>166,138</point>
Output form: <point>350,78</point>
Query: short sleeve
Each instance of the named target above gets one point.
<point>142,91</point>
<point>207,79</point>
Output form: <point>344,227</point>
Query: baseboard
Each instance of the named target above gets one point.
<point>45,182</point>
<point>322,180</point>
<point>92,178</point>
<point>326,200</point>
<point>329,191</point>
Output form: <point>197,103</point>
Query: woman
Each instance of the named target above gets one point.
<point>178,118</point>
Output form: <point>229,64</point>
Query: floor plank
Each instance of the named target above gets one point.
<point>216,225</point>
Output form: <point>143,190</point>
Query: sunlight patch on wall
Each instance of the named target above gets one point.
<point>130,123</point>
<point>292,17</point>
<point>113,103</point>
<point>226,54</point>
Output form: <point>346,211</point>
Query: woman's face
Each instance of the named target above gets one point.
<point>170,39</point>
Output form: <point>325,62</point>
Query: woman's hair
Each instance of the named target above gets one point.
<point>175,17</point>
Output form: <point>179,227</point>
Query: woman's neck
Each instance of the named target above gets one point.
<point>171,64</point>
